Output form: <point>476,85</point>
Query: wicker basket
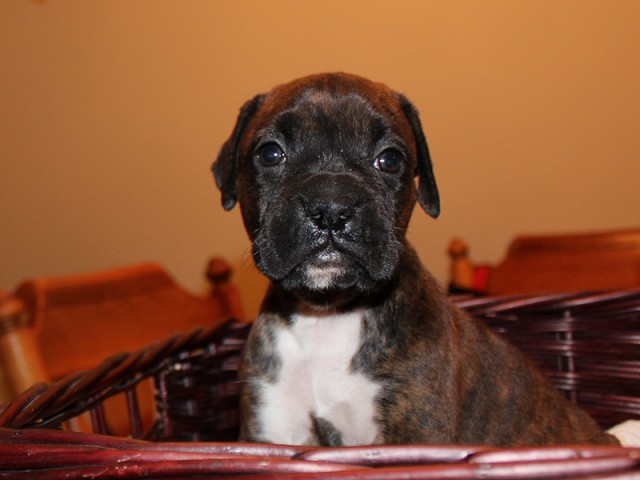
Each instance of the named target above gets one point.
<point>586,343</point>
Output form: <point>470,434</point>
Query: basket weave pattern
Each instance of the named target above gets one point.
<point>588,344</point>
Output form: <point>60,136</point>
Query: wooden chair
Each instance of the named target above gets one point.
<point>50,327</point>
<point>553,263</point>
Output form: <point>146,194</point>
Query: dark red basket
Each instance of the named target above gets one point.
<point>588,344</point>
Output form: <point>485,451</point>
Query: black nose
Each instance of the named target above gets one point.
<point>331,202</point>
<point>329,215</point>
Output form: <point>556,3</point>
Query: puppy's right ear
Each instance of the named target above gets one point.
<point>225,168</point>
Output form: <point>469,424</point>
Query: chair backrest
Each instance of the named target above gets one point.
<point>554,263</point>
<point>76,321</point>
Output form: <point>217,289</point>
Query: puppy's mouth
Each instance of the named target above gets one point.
<point>329,269</point>
<point>324,268</point>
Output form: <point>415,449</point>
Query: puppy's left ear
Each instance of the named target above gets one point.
<point>428,196</point>
<point>225,168</point>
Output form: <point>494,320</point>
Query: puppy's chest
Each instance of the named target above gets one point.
<point>318,397</point>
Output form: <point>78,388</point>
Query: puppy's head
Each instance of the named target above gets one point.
<point>323,169</point>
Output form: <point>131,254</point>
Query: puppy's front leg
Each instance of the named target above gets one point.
<point>274,405</point>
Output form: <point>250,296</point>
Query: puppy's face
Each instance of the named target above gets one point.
<point>323,170</point>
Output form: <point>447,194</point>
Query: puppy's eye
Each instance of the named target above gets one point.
<point>271,155</point>
<point>389,161</point>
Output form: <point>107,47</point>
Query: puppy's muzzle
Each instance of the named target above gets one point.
<point>328,232</point>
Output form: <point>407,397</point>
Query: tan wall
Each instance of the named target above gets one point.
<point>111,113</point>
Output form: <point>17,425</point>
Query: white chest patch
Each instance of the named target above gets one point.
<point>316,380</point>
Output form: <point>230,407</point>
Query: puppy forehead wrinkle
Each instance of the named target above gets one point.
<point>288,124</point>
<point>347,132</point>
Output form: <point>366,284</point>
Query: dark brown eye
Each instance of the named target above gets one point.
<point>389,161</point>
<point>271,155</point>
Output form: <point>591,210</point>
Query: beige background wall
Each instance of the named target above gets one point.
<point>111,113</point>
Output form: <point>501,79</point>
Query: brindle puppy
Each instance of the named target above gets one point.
<point>356,343</point>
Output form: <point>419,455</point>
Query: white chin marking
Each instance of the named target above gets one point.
<point>321,278</point>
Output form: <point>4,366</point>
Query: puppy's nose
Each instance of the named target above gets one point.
<point>329,215</point>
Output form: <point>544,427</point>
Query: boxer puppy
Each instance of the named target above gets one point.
<point>356,343</point>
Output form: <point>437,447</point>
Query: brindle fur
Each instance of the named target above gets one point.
<point>445,377</point>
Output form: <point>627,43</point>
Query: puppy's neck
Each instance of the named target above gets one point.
<point>319,303</point>
<point>307,309</point>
